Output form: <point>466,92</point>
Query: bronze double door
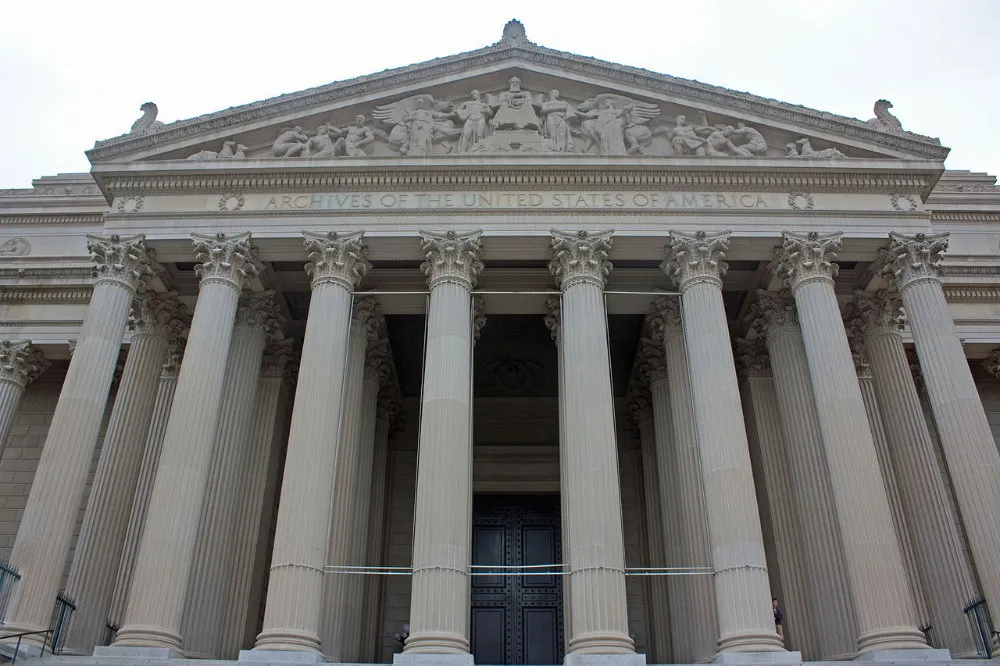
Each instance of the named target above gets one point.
<point>516,619</point>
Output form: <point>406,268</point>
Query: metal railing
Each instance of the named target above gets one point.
<point>110,631</point>
<point>63,612</point>
<point>982,627</point>
<point>9,578</point>
<point>19,636</point>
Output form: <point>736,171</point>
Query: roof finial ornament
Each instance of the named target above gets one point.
<point>147,124</point>
<point>513,32</point>
<point>884,120</point>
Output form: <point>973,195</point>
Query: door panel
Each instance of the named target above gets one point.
<point>516,619</point>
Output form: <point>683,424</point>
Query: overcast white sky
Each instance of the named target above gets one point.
<point>74,72</point>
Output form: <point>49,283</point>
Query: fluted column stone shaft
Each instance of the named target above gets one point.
<point>257,318</point>
<point>882,603</point>
<point>768,446</point>
<point>681,459</point>
<point>970,450</point>
<point>20,364</point>
<point>122,267</point>
<point>596,542</point>
<point>258,477</point>
<point>439,602</point>
<point>345,483</point>
<point>98,548</point>
<point>293,611</point>
<point>165,560</point>
<point>147,474</point>
<point>742,589</point>
<point>832,607</point>
<point>946,573</point>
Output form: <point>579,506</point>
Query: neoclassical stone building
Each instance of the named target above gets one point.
<point>515,356</point>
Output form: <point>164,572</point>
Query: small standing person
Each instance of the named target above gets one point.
<point>777,618</point>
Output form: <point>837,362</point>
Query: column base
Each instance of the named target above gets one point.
<point>430,659</point>
<point>777,657</point>
<point>281,656</point>
<point>623,659</point>
<point>142,653</point>
<point>883,656</point>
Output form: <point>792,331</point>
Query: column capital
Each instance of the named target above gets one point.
<point>580,257</point>
<point>478,317</point>
<point>804,258</point>
<point>176,341</point>
<point>910,259</point>
<point>277,355</point>
<point>651,361</point>
<point>696,258</point>
<point>773,314</point>
<point>640,404</point>
<point>451,257</point>
<point>871,314</point>
<point>257,309</point>
<point>157,314</point>
<point>664,319</point>
<point>227,259</point>
<point>336,258</point>
<point>21,362</point>
<point>752,359</point>
<point>553,316</point>
<point>857,333</point>
<point>390,406</point>
<point>123,260</point>
<point>369,312</point>
<point>991,363</point>
<point>378,361</point>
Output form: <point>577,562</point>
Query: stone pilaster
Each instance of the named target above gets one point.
<point>121,268</point>
<point>776,497</point>
<point>20,364</point>
<point>946,574</point>
<point>257,319</point>
<point>346,483</point>
<point>742,591</point>
<point>165,559</point>
<point>386,420</point>
<point>912,262</point>
<point>292,615</point>
<point>680,459</point>
<point>882,603</point>
<point>147,474</point>
<point>774,317</point>
<point>439,603</point>
<point>258,481</point>
<point>596,544</point>
<point>153,321</point>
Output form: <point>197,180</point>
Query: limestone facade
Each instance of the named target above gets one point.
<point>344,316</point>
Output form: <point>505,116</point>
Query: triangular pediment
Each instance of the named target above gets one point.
<point>602,109</point>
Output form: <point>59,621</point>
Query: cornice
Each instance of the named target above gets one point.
<point>48,295</point>
<point>514,54</point>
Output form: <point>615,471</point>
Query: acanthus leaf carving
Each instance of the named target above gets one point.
<point>153,314</point>
<point>277,355</point>
<point>553,316</point>
<point>696,258</point>
<point>911,259</point>
<point>21,362</point>
<point>752,359</point>
<point>664,319</point>
<point>258,309</point>
<point>228,259</point>
<point>125,261</point>
<point>580,257</point>
<point>451,257</point>
<point>991,363</point>
<point>871,314</point>
<point>773,314</point>
<point>337,258</point>
<point>804,258</point>
<point>478,317</point>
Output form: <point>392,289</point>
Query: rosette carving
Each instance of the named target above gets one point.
<point>451,258</point>
<point>228,259</point>
<point>580,257</point>
<point>914,258</point>
<point>125,261</point>
<point>804,258</point>
<point>696,258</point>
<point>21,362</point>
<point>338,258</point>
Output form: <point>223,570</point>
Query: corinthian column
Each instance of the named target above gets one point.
<point>122,266</point>
<point>20,364</point>
<point>292,614</point>
<point>680,461</point>
<point>442,538</point>
<point>257,319</point>
<point>742,591</point>
<point>940,553</point>
<point>165,559</point>
<point>913,263</point>
<point>147,474</point>
<point>774,317</point>
<point>882,602</point>
<point>596,545</point>
<point>98,549</point>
